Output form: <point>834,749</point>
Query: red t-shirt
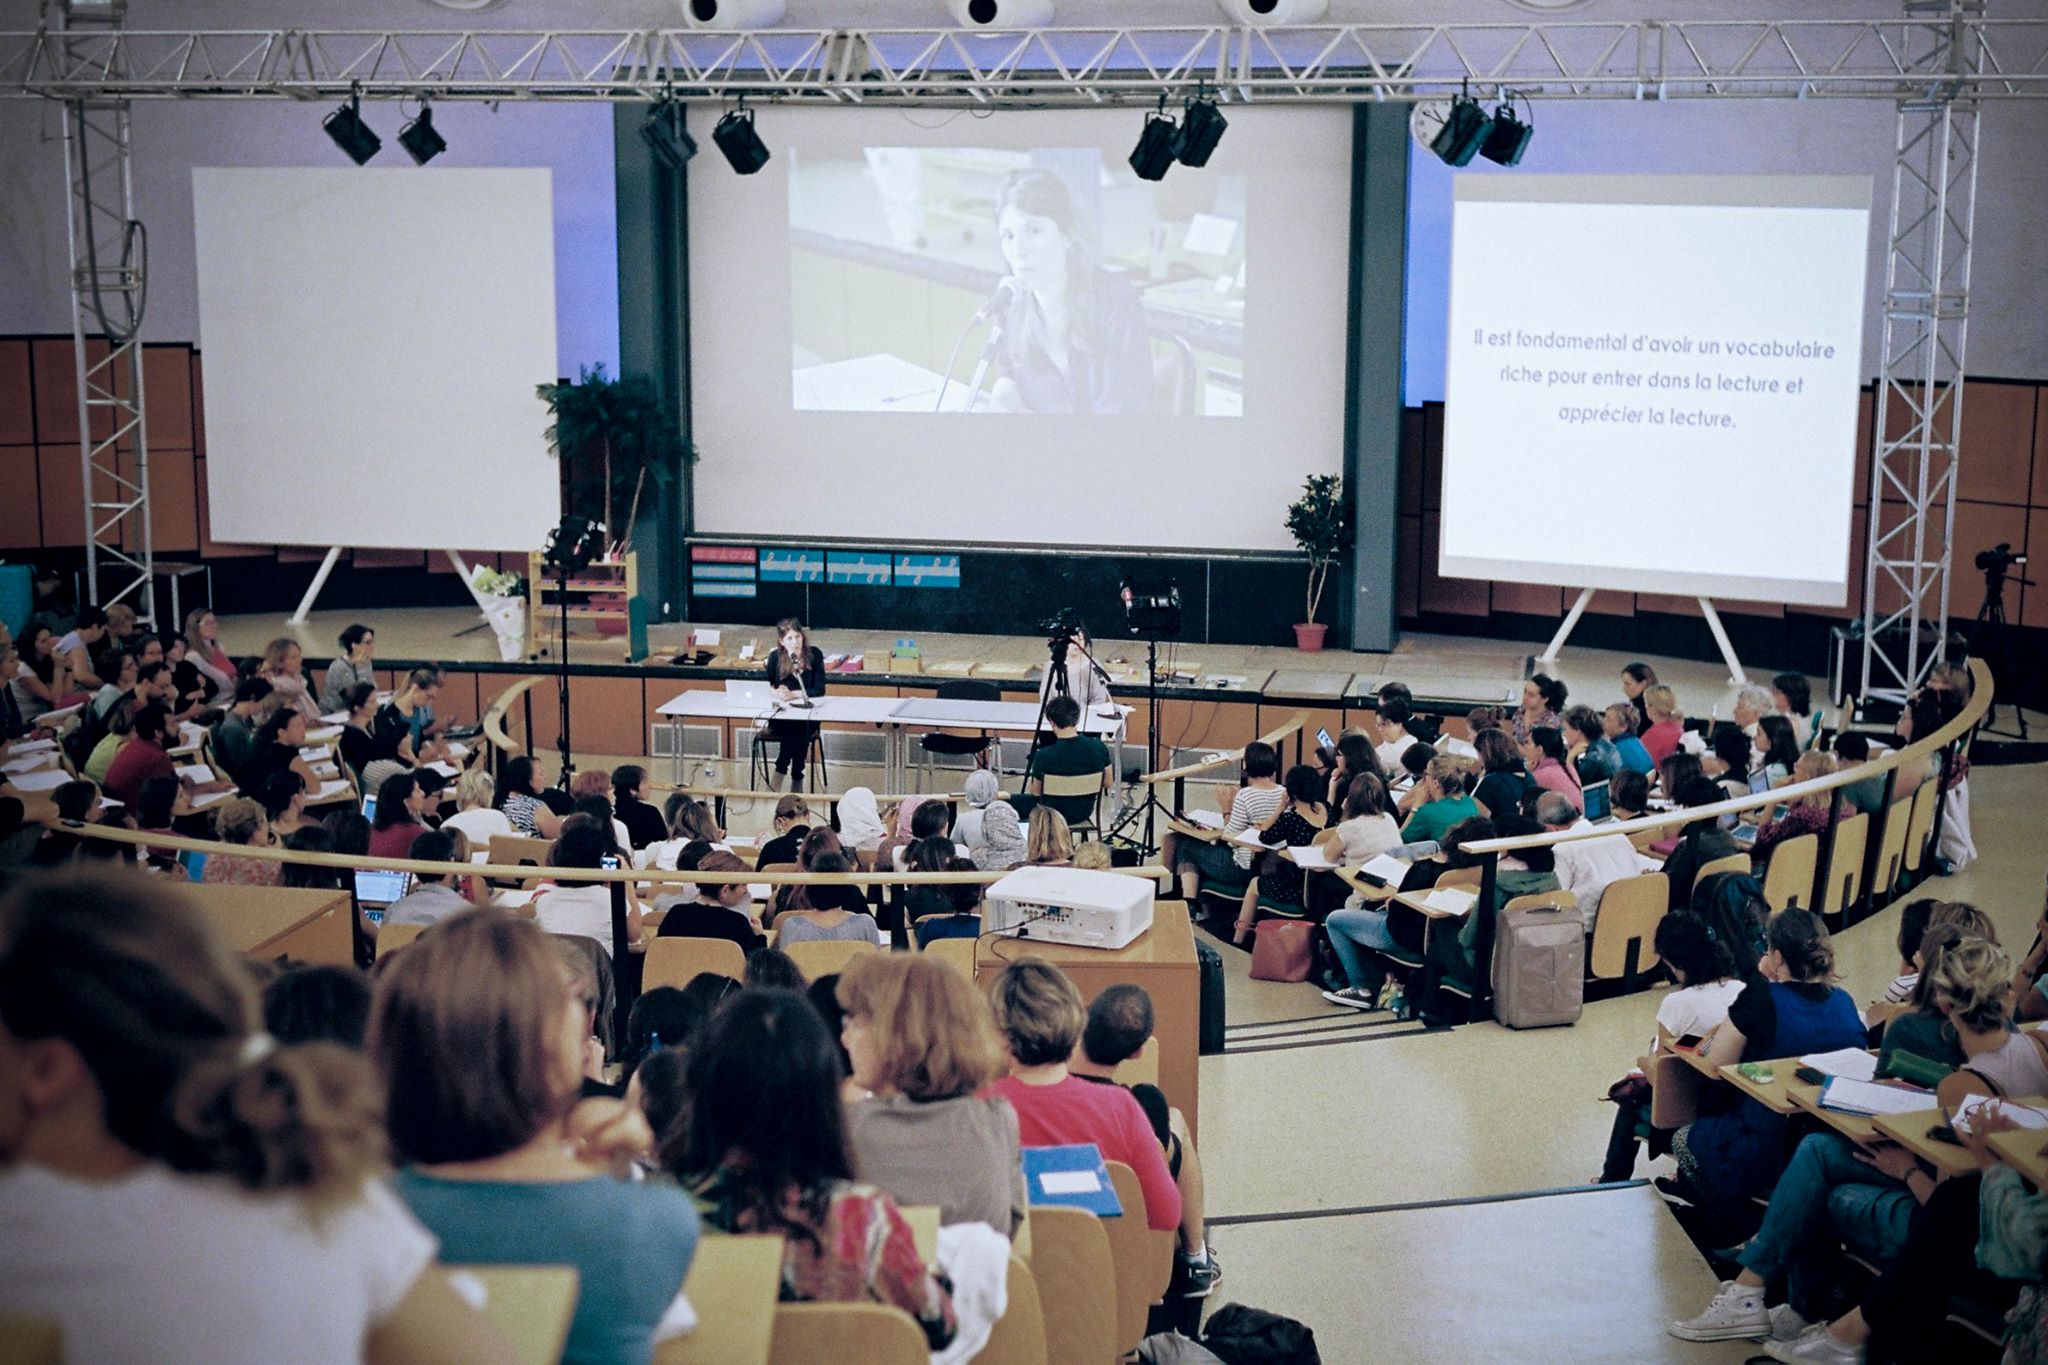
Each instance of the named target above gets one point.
<point>1662,739</point>
<point>395,841</point>
<point>1074,1111</point>
<point>137,762</point>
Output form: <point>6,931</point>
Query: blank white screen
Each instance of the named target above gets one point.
<point>1556,467</point>
<point>373,339</point>
<point>1179,480</point>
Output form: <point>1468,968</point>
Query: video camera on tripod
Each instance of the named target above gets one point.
<point>1999,561</point>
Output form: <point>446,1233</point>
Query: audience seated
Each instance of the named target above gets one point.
<point>1590,755</point>
<point>1803,814</point>
<point>1628,795</point>
<point>1920,1037</point>
<point>313,1003</point>
<point>142,758</point>
<point>1502,778</point>
<point>791,822</point>
<point>584,908</point>
<point>1774,750</point>
<point>41,681</point>
<point>480,1035</point>
<point>77,648</point>
<point>1792,698</point>
<point>1367,828</point>
<point>950,911</point>
<point>1070,754</point>
<point>351,668</point>
<point>998,842</point>
<point>284,803</point>
<point>432,899</point>
<point>1735,1152</point>
<point>276,750</point>
<point>284,667</point>
<point>241,821</point>
<point>1543,755</point>
<point>916,821</point>
<point>475,814</point>
<point>1585,867</point>
<point>1441,801</point>
<point>860,823</point>
<point>1048,842</point>
<point>520,798</point>
<point>1119,1028</point>
<point>227,1184</point>
<point>687,821</point>
<point>763,1148</point>
<point>921,1044</point>
<point>716,910</point>
<point>401,810</point>
<point>771,969</point>
<point>590,793</point>
<point>1543,699</point>
<point>1666,726</point>
<point>1301,817</point>
<point>1637,678</point>
<point>827,912</point>
<point>1700,843</point>
<point>1618,724</point>
<point>630,788</point>
<point>1727,761</point>
<point>1255,803</point>
<point>1707,981</point>
<point>1040,1016</point>
<point>1393,716</point>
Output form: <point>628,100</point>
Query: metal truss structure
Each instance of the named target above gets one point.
<point>1940,61</point>
<point>1918,418</point>
<point>1641,59</point>
<point>109,285</point>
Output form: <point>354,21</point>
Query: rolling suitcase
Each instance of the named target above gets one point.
<point>1539,967</point>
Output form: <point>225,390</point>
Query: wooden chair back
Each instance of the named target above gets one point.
<point>1090,785</point>
<point>28,1340</point>
<point>871,1333</point>
<point>1019,1334</point>
<point>678,961</point>
<point>1844,884</point>
<point>1891,849</point>
<point>823,956</point>
<point>1142,1069</point>
<point>1788,876</point>
<point>531,1304</point>
<point>1462,876</point>
<point>392,937</point>
<point>955,952</point>
<point>1544,900</point>
<point>508,850</point>
<point>1674,1092</point>
<point>1132,1252</point>
<point>1734,862</point>
<point>1625,932</point>
<point>733,1284</point>
<point>1920,829</point>
<point>1076,1284</point>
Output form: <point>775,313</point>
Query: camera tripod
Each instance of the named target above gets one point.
<point>1991,641</point>
<point>1151,806</point>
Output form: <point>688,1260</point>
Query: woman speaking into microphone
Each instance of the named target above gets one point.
<point>796,672</point>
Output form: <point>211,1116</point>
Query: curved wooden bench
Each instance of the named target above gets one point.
<point>494,718</point>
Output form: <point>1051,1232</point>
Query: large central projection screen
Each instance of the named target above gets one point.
<point>1165,362</point>
<point>1652,383</point>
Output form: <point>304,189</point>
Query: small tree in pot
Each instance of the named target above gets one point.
<point>614,438</point>
<point>1316,521</point>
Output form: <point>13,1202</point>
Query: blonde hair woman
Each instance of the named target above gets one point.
<point>922,1045</point>
<point>284,668</point>
<point>1048,842</point>
<point>1806,814</point>
<point>1667,727</point>
<point>476,815</point>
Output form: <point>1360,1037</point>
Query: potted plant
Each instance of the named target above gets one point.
<point>1316,521</point>
<point>614,437</point>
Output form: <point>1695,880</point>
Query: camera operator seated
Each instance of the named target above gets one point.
<point>1071,754</point>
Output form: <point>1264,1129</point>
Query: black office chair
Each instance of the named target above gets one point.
<point>938,742</point>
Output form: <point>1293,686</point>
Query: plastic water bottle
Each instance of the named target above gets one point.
<point>710,774</point>
<point>1396,997</point>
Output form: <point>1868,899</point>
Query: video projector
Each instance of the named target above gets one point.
<point>1069,905</point>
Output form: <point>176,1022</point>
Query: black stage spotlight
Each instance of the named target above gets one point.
<point>1156,147</point>
<point>742,146</point>
<point>1509,137</point>
<point>345,125</point>
<point>1463,133</point>
<point>421,142</point>
<point>665,135</point>
<point>1200,131</point>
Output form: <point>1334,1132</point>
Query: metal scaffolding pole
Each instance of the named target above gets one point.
<point>109,286</point>
<point>1919,409</point>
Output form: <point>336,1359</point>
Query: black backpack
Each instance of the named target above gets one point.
<point>1733,906</point>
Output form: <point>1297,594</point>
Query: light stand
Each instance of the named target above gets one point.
<point>1153,616</point>
<point>571,546</point>
<point>1990,638</point>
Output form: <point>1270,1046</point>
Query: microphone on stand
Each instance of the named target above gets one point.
<point>997,303</point>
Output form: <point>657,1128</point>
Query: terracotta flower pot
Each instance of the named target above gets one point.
<point>1308,637</point>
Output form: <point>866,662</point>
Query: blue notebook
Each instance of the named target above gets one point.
<point>1075,1176</point>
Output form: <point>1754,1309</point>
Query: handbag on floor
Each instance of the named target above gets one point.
<point>1281,950</point>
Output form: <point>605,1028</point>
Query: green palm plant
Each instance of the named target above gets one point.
<point>617,439</point>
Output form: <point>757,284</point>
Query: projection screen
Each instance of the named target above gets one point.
<point>1652,383</point>
<point>990,330</point>
<point>372,341</point>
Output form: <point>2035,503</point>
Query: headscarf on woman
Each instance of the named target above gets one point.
<point>905,810</point>
<point>981,788</point>
<point>860,823</point>
<point>1002,839</point>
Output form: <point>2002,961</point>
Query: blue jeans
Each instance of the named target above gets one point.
<point>1824,1186</point>
<point>1354,933</point>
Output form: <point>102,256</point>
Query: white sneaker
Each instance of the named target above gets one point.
<point>1786,1324</point>
<point>1815,1346</point>
<point>1736,1312</point>
<point>1355,997</point>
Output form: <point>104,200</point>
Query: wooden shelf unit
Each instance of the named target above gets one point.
<point>616,578</point>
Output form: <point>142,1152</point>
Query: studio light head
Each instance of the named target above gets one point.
<point>666,138</point>
<point>1509,136</point>
<point>345,125</point>
<point>1201,129</point>
<point>742,146</point>
<point>1157,147</point>
<point>1464,132</point>
<point>420,139</point>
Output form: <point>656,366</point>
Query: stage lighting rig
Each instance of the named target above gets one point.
<point>736,138</point>
<point>1201,128</point>
<point>345,125</point>
<point>1157,146</point>
<point>1509,137</point>
<point>1465,130</point>
<point>420,139</point>
<point>665,136</point>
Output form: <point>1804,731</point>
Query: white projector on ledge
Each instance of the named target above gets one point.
<point>1069,905</point>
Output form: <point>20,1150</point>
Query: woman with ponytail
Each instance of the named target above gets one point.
<point>175,1185</point>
